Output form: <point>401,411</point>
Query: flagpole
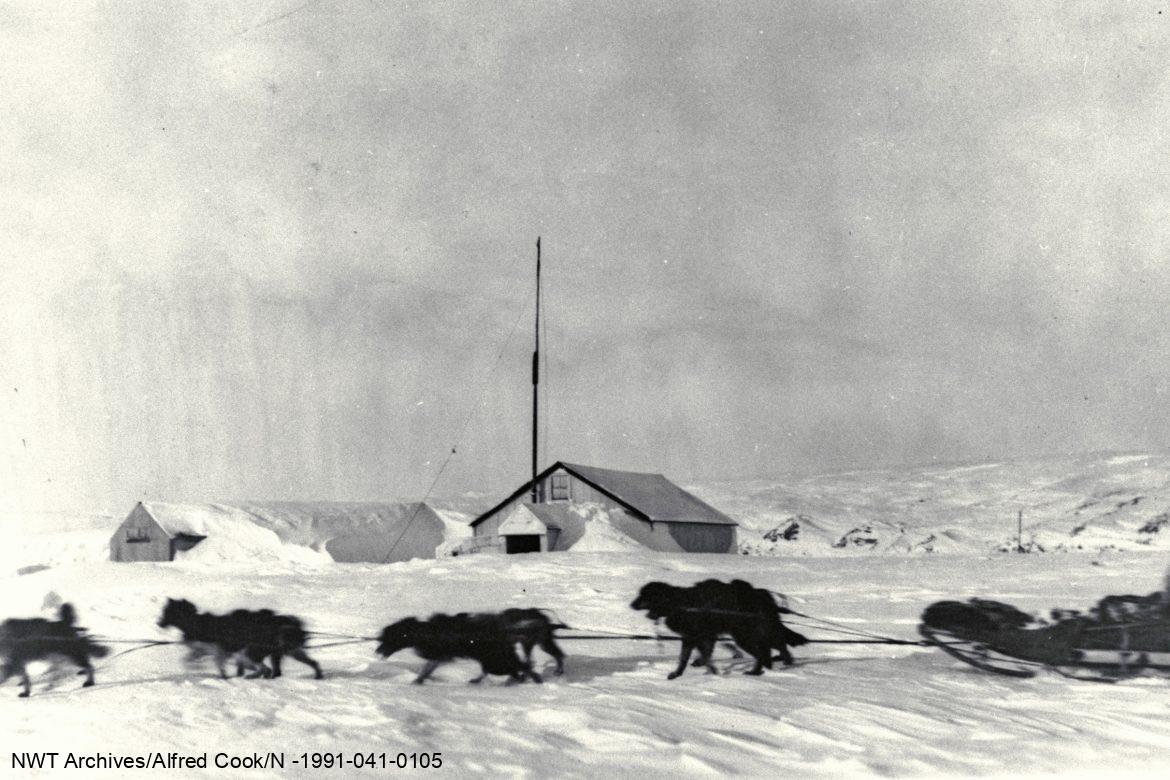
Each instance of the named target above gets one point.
<point>536,378</point>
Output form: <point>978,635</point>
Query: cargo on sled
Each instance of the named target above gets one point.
<point>1122,636</point>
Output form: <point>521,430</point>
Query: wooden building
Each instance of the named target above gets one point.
<point>648,508</point>
<point>348,532</point>
<point>151,532</point>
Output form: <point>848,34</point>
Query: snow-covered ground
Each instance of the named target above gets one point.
<point>1073,503</point>
<point>845,710</point>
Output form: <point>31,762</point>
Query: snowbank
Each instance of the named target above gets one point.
<point>41,540</point>
<point>1082,503</point>
<point>600,534</point>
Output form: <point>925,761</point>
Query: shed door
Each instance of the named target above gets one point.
<point>522,543</point>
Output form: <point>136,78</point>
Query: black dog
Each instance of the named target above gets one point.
<point>35,639</point>
<point>484,638</point>
<point>701,613</point>
<point>531,628</point>
<point>249,636</point>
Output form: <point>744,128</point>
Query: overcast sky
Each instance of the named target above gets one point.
<point>284,250</point>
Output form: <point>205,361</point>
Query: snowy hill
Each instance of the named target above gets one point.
<point>1087,502</point>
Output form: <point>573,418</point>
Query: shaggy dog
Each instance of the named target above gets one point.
<point>249,636</point>
<point>530,628</point>
<point>35,639</point>
<point>701,613</point>
<point>485,638</point>
<point>974,617</point>
<point>1131,609</point>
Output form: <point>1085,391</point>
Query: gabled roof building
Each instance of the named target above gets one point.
<point>648,508</point>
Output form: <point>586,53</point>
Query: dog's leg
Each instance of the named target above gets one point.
<point>785,656</point>
<point>706,648</point>
<point>683,656</point>
<point>762,654</point>
<point>527,644</point>
<point>303,657</point>
<point>549,646</point>
<point>25,682</point>
<point>276,663</point>
<point>88,669</point>
<point>427,670</point>
<point>82,660</point>
<point>526,668</point>
<point>221,657</point>
<point>257,669</point>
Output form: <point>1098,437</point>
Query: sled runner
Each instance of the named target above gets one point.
<point>1122,636</point>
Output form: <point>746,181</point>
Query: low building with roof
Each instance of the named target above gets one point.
<point>648,508</point>
<point>346,532</point>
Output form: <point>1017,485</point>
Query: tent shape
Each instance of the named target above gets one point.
<point>345,532</point>
<point>646,507</point>
<point>535,527</point>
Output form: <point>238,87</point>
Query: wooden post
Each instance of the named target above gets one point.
<point>1020,531</point>
<point>536,376</point>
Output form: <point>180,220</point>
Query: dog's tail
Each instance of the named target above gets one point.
<point>554,620</point>
<point>791,638</point>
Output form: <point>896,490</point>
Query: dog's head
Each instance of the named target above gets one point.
<point>656,598</point>
<point>67,614</point>
<point>177,612</point>
<point>398,636</point>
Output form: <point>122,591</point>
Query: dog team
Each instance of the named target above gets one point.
<point>701,615</point>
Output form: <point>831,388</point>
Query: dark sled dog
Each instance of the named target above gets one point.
<point>248,636</point>
<point>36,639</point>
<point>699,614</point>
<point>531,628</point>
<point>487,638</point>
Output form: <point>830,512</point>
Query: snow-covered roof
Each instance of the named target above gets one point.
<point>523,520</point>
<point>294,522</point>
<point>652,494</point>
<point>556,516</point>
<point>648,496</point>
<point>553,515</point>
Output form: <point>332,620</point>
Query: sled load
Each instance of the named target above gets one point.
<point>1122,636</point>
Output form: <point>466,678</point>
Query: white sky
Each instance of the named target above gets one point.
<point>272,249</point>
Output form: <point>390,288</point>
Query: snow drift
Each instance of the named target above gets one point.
<point>1078,503</point>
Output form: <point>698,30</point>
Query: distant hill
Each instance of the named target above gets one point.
<point>1088,502</point>
<point>1085,502</point>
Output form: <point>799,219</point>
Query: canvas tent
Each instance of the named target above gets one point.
<point>344,532</point>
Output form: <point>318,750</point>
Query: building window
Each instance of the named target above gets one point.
<point>560,487</point>
<point>137,535</point>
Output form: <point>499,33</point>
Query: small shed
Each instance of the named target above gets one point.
<point>648,508</point>
<point>531,528</point>
<point>347,532</point>
<point>151,533</point>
